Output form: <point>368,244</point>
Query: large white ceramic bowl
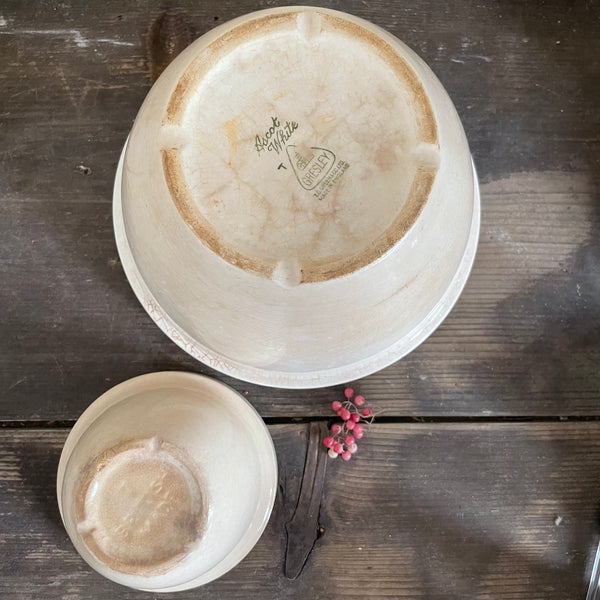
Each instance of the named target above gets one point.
<point>296,205</point>
<point>167,481</point>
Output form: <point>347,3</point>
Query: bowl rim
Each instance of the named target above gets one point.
<point>290,379</point>
<point>265,447</point>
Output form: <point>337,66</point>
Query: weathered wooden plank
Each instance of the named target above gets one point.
<point>503,511</point>
<point>522,339</point>
<point>523,79</point>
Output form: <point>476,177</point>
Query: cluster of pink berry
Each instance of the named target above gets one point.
<point>342,440</point>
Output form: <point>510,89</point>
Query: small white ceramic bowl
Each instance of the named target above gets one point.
<point>167,481</point>
<point>296,205</point>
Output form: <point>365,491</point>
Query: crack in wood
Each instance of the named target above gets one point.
<point>303,529</point>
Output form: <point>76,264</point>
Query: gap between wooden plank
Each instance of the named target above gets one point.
<point>69,423</point>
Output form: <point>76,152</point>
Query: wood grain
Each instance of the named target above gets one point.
<point>455,511</point>
<point>523,339</point>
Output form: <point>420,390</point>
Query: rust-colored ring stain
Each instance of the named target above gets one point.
<point>214,52</point>
<point>319,270</point>
<point>173,170</point>
<point>158,541</point>
<point>330,269</point>
<point>426,119</point>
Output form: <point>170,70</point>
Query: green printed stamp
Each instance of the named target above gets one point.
<point>310,170</point>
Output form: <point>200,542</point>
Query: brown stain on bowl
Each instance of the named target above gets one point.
<point>175,178</point>
<point>216,50</point>
<point>426,118</point>
<point>311,271</point>
<point>330,269</point>
<point>148,520</point>
<point>232,129</point>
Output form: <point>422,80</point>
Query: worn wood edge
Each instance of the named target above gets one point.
<point>388,553</point>
<point>302,530</point>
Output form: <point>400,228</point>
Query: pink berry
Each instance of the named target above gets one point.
<point>336,429</point>
<point>348,392</point>
<point>358,434</point>
<point>348,440</point>
<point>338,448</point>
<point>336,405</point>
<point>346,455</point>
<point>358,428</point>
<point>359,400</point>
<point>352,448</point>
<point>366,412</point>
<point>344,414</point>
<point>355,417</point>
<point>329,441</point>
<point>350,424</point>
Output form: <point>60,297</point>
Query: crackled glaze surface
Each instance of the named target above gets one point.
<point>166,481</point>
<point>274,203</point>
<point>287,164</point>
<point>141,506</point>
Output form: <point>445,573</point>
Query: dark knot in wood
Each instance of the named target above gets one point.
<point>169,34</point>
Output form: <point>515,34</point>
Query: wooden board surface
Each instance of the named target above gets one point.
<point>523,338</point>
<point>455,511</point>
<point>434,510</point>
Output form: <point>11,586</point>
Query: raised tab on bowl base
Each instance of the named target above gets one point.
<point>304,139</point>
